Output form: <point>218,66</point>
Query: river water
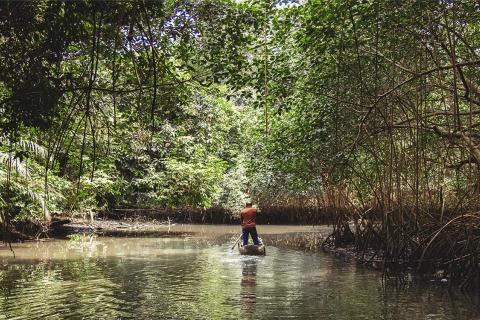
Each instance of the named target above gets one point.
<point>188,278</point>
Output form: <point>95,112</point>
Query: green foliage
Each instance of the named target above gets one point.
<point>18,183</point>
<point>202,103</point>
<point>122,99</point>
<point>233,187</point>
<point>81,237</point>
<point>195,182</point>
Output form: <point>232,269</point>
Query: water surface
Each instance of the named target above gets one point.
<point>176,278</point>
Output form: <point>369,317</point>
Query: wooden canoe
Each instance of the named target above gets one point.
<point>252,250</point>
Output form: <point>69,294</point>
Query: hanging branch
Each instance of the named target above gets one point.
<point>89,116</point>
<point>114,93</point>
<point>265,69</point>
<point>92,77</point>
<point>453,44</point>
<point>154,66</point>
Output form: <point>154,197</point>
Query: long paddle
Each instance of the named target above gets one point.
<point>237,241</point>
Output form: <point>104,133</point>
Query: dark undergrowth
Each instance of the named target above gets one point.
<point>217,215</point>
<point>430,243</point>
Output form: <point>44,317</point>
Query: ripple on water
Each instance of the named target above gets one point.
<point>180,279</point>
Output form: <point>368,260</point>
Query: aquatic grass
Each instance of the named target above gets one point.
<point>82,237</point>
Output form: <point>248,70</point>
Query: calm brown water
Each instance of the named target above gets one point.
<point>174,278</point>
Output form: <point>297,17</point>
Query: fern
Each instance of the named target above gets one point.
<point>9,162</point>
<point>34,147</point>
<point>28,145</point>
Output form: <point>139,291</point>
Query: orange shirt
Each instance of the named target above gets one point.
<point>248,217</point>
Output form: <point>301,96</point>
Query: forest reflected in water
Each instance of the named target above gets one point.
<point>182,278</point>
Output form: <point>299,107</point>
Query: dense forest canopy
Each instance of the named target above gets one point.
<point>123,103</point>
<point>369,106</point>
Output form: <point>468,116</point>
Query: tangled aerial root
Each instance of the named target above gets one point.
<point>399,240</point>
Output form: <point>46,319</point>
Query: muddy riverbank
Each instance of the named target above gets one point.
<point>292,236</point>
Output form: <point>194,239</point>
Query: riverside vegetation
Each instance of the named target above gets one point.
<point>365,111</point>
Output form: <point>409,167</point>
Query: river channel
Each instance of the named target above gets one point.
<point>194,278</point>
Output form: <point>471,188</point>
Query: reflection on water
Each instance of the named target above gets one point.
<point>248,283</point>
<point>184,279</point>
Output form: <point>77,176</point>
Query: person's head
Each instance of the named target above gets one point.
<point>248,204</point>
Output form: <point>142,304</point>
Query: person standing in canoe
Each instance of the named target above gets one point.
<point>249,226</point>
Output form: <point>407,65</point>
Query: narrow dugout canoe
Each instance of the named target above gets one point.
<point>252,250</point>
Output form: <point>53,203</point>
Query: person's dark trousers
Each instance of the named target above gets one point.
<point>251,231</point>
